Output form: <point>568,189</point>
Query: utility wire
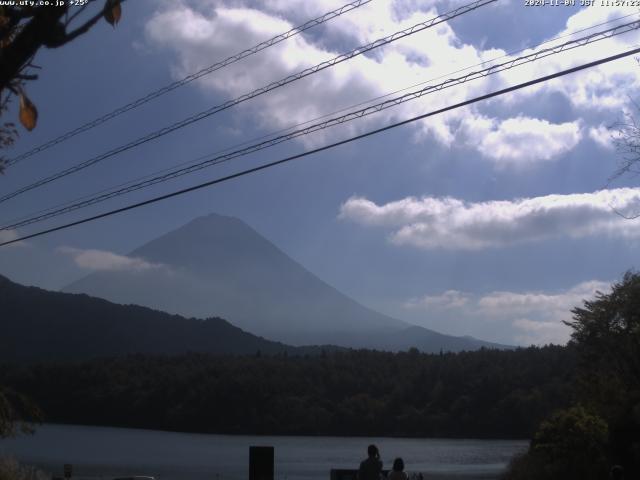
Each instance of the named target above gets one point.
<point>333,122</point>
<point>327,147</point>
<point>272,86</point>
<point>291,127</point>
<point>190,78</point>
<point>306,122</point>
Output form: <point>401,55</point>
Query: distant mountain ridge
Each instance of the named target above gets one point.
<point>39,325</point>
<point>218,265</point>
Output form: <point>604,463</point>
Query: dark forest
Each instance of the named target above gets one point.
<point>488,393</point>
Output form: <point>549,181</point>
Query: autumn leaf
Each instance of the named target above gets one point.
<point>8,33</point>
<point>112,12</point>
<point>28,113</point>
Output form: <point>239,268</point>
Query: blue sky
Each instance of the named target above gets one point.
<point>493,220</point>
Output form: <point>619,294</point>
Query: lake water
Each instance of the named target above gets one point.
<point>108,452</point>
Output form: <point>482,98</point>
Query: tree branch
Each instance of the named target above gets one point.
<point>78,12</point>
<point>24,46</point>
<point>45,28</point>
<point>88,24</point>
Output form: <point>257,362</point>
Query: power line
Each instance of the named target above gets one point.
<point>327,147</point>
<point>272,86</point>
<point>190,78</point>
<point>597,36</point>
<point>306,122</point>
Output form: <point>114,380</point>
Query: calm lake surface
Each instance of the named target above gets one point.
<point>108,452</point>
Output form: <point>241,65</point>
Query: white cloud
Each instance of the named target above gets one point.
<point>198,35</point>
<point>199,32</point>
<point>447,300</point>
<point>603,88</point>
<point>10,235</point>
<point>553,304</point>
<point>542,313</point>
<point>536,316</point>
<point>541,332</point>
<point>522,140</point>
<point>602,135</point>
<point>100,260</point>
<point>450,223</point>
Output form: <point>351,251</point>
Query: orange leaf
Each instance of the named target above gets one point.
<point>28,113</point>
<point>112,12</point>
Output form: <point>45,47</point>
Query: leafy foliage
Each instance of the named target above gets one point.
<point>625,136</point>
<point>24,29</point>
<point>606,332</point>
<point>579,442</point>
<point>17,412</point>
<point>8,131</point>
<point>10,469</point>
<point>607,338</point>
<point>572,443</point>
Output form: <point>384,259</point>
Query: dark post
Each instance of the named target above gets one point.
<point>260,463</point>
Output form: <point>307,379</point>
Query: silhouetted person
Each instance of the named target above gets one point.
<point>371,468</point>
<point>616,473</point>
<point>398,472</point>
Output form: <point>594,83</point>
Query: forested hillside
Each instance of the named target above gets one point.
<point>38,324</point>
<point>488,393</point>
<point>578,403</point>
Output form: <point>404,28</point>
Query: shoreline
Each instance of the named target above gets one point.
<point>289,435</point>
<point>111,452</point>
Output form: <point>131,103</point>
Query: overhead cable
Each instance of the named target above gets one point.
<point>315,119</point>
<point>260,91</point>
<point>500,67</point>
<point>189,78</point>
<point>326,147</point>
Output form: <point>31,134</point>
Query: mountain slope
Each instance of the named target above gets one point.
<point>40,325</point>
<point>217,265</point>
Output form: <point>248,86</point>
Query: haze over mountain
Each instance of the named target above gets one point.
<point>219,266</point>
<point>37,324</point>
